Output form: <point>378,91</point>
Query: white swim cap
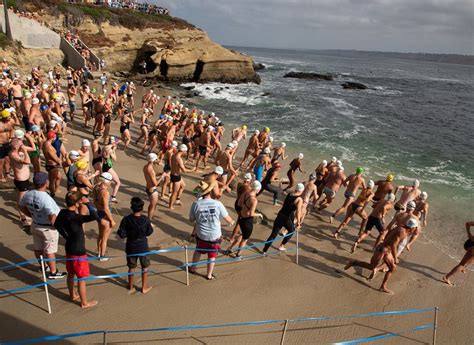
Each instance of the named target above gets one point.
<point>391,197</point>
<point>195,120</point>
<point>270,139</point>
<point>45,86</point>
<point>217,119</point>
<point>300,187</point>
<point>210,129</point>
<point>177,103</point>
<point>424,196</point>
<point>283,144</point>
<point>339,164</point>
<point>35,101</point>
<point>411,205</point>
<point>301,156</point>
<point>106,177</point>
<point>19,134</point>
<point>248,177</point>
<point>416,183</point>
<point>182,148</point>
<point>53,123</point>
<point>235,143</point>
<point>267,151</point>
<point>169,97</point>
<point>257,132</point>
<point>411,223</point>
<point>325,162</point>
<point>218,170</point>
<point>213,114</point>
<point>146,110</point>
<point>312,177</point>
<point>28,95</point>
<point>152,157</point>
<point>256,186</point>
<point>334,159</point>
<point>181,106</point>
<point>186,109</point>
<point>230,145</point>
<point>370,184</point>
<point>174,143</point>
<point>86,143</point>
<point>203,122</point>
<point>74,154</point>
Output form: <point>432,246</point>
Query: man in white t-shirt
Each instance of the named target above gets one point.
<point>39,205</point>
<point>207,213</point>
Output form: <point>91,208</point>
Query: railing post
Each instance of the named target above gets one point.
<point>186,267</point>
<point>45,283</point>
<point>435,324</point>
<point>104,338</point>
<point>284,332</point>
<point>297,246</point>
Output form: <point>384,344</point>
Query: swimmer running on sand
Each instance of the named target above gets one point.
<point>468,258</point>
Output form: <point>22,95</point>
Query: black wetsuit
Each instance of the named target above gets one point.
<point>284,219</point>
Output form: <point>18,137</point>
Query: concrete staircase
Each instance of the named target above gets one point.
<point>33,34</point>
<point>29,32</point>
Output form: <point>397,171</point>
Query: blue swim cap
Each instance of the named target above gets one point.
<point>44,107</point>
<point>35,128</point>
<point>162,116</point>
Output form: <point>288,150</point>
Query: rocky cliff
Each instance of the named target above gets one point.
<point>174,50</point>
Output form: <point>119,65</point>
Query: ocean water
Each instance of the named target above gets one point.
<point>415,121</point>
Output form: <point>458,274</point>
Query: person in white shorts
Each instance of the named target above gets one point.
<point>39,205</point>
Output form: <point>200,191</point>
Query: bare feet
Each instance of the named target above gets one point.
<point>131,291</point>
<point>408,247</point>
<point>331,220</point>
<point>384,289</point>
<point>354,246</point>
<point>75,297</point>
<point>89,304</point>
<point>447,281</point>
<point>147,289</point>
<point>336,235</point>
<point>348,265</point>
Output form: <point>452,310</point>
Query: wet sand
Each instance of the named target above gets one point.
<point>263,288</point>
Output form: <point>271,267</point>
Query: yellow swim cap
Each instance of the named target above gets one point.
<point>266,129</point>
<point>81,164</point>
<point>5,113</point>
<point>390,177</point>
<point>244,127</point>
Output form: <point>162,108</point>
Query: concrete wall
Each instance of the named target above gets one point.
<point>29,32</point>
<point>73,58</point>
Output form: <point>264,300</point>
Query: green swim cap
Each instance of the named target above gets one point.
<point>93,90</point>
<point>359,170</point>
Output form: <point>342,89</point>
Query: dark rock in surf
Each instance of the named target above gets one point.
<point>310,76</point>
<point>189,88</point>
<point>354,86</point>
<point>258,66</point>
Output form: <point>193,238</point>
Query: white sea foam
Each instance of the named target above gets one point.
<point>249,94</point>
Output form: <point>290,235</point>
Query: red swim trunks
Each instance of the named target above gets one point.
<point>80,268</point>
<point>200,244</point>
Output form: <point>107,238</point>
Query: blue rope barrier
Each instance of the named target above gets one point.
<point>384,336</point>
<point>198,263</point>
<point>53,337</point>
<point>30,287</point>
<point>384,313</point>
<point>91,258</point>
<point>247,323</point>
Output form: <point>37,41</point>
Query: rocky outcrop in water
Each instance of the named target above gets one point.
<point>310,76</point>
<point>354,86</point>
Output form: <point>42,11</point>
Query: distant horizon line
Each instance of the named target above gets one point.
<point>350,50</point>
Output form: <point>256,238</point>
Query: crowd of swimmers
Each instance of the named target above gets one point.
<point>36,120</point>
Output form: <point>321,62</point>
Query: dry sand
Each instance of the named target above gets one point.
<point>272,287</point>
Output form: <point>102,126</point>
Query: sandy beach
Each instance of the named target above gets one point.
<point>260,288</point>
